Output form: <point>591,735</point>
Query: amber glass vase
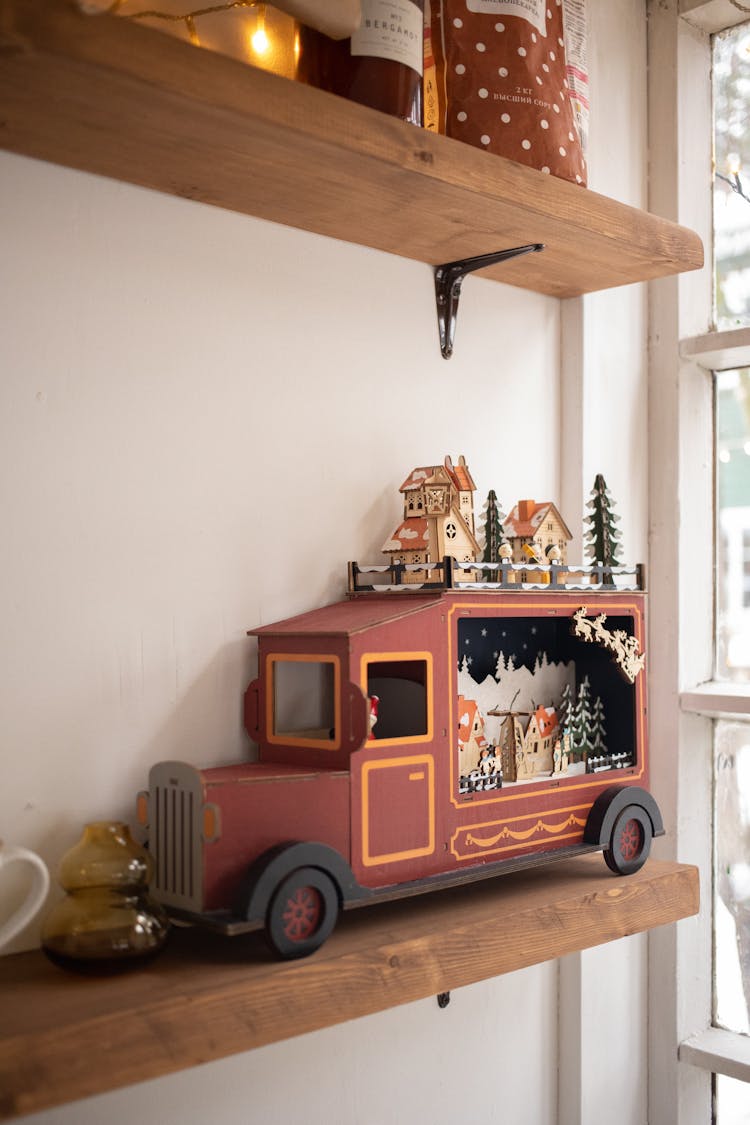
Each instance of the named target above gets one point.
<point>380,66</point>
<point>107,922</point>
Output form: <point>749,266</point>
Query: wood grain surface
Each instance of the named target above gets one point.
<point>64,1037</point>
<point>104,95</point>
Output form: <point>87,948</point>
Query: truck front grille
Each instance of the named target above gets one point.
<point>176,799</point>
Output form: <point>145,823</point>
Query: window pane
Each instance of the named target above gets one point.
<point>732,1101</point>
<point>733,531</point>
<point>731,70</point>
<point>732,875</point>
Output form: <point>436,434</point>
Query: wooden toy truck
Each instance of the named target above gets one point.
<point>511,729</point>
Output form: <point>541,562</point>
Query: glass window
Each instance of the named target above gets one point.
<point>733,530</point>
<point>732,875</point>
<point>731,69</point>
<point>732,1101</point>
<point>731,905</point>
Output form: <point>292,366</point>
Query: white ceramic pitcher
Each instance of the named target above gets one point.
<point>37,892</point>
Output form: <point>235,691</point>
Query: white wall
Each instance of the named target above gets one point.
<point>203,417</point>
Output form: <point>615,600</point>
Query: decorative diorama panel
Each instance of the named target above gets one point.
<point>534,701</point>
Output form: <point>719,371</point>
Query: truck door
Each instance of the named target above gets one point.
<point>398,808</point>
<point>397,779</point>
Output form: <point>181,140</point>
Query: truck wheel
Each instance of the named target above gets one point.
<point>630,842</point>
<point>302,912</point>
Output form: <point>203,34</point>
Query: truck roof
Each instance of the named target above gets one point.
<point>350,616</point>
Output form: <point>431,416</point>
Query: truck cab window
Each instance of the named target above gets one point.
<point>401,689</point>
<point>304,699</point>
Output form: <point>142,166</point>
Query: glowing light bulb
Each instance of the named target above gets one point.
<point>724,456</point>
<point>259,40</point>
<point>734,164</point>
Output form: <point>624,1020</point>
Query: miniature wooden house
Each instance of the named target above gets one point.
<point>534,747</point>
<point>438,518</point>
<point>537,532</point>
<point>506,745</point>
<point>526,743</point>
<point>471,739</point>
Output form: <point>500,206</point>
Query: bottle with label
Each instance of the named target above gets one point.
<point>380,66</point>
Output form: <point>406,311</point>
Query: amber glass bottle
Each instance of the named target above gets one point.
<point>107,922</point>
<point>380,66</point>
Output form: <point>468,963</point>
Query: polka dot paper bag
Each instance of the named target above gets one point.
<point>510,76</point>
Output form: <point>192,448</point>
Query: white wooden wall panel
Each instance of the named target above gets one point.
<point>603,1041</point>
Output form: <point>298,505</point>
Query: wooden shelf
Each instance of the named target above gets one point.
<point>64,1037</point>
<point>107,96</point>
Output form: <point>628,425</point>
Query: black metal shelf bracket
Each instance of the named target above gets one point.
<point>448,279</point>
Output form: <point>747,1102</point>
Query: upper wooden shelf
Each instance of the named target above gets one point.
<point>105,95</point>
<point>64,1037</point>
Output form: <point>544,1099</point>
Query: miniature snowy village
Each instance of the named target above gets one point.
<point>438,543</point>
<point>507,737</point>
<point>526,706</point>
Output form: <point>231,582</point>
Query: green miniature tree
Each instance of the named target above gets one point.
<point>493,532</point>
<point>602,536</point>
<point>598,731</point>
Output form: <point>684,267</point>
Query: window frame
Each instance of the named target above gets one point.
<point>296,739</point>
<point>372,659</point>
<point>714,1048</point>
<point>681,542</point>
<point>685,1050</point>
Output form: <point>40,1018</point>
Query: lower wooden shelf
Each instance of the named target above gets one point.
<point>64,1037</point>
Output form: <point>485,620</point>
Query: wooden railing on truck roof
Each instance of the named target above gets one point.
<point>449,574</point>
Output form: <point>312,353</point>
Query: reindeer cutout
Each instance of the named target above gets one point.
<point>630,660</point>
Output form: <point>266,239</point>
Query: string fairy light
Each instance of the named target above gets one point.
<point>259,40</point>
<point>734,180</point>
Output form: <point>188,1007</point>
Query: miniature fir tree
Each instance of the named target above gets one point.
<point>598,730</point>
<point>602,536</point>
<point>567,710</point>
<point>493,532</point>
<point>580,742</point>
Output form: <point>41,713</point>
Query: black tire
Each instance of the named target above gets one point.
<point>302,912</point>
<point>630,841</point>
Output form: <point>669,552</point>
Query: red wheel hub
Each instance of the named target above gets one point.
<point>302,913</point>
<point>631,840</point>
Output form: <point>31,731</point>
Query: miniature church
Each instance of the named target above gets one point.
<point>438,517</point>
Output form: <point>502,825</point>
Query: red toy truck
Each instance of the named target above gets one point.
<point>511,728</point>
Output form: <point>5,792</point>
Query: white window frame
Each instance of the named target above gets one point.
<point>684,1049</point>
<point>714,1049</point>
